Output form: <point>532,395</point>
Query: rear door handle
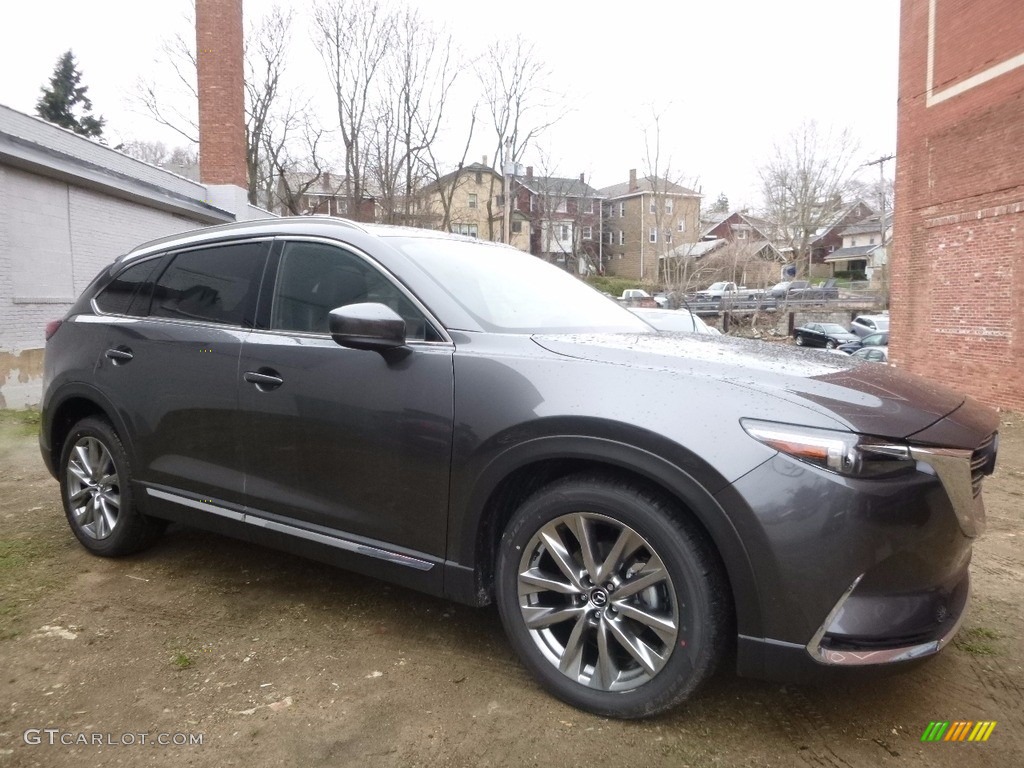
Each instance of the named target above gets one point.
<point>119,355</point>
<point>265,379</point>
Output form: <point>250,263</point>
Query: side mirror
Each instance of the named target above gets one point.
<point>369,325</point>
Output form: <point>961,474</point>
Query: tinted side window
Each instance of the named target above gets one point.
<point>216,285</point>
<point>314,278</point>
<point>117,297</point>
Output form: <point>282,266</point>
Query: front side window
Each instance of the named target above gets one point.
<point>315,278</point>
<point>116,298</point>
<point>214,285</point>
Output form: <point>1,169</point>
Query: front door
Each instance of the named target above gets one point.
<point>346,439</point>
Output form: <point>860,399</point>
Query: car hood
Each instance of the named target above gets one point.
<point>868,398</point>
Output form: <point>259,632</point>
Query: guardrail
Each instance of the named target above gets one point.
<point>845,300</point>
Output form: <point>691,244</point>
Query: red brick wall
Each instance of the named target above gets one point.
<point>221,92</point>
<point>957,272</point>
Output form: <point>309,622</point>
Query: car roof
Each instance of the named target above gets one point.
<point>324,226</point>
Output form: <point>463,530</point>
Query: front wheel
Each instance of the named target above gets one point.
<point>799,341</point>
<point>95,485</point>
<point>611,596</point>
<point>830,344</point>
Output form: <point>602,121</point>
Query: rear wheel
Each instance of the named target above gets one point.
<point>799,341</point>
<point>611,597</point>
<point>95,484</point>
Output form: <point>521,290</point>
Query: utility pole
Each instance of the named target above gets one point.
<point>507,169</point>
<point>880,162</point>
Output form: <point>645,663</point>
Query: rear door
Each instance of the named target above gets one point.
<point>348,440</point>
<point>170,366</point>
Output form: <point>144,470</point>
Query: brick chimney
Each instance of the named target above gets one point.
<point>632,180</point>
<point>529,173</point>
<point>221,80</point>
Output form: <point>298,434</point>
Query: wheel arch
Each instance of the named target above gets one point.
<point>69,406</point>
<point>518,472</point>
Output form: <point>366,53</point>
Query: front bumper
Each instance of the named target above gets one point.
<point>852,572</point>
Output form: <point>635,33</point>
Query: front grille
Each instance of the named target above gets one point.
<point>983,461</point>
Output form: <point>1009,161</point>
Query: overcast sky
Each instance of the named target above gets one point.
<point>729,77</point>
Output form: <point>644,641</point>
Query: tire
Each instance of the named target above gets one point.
<point>830,344</point>
<point>800,341</point>
<point>571,624</point>
<point>95,487</point>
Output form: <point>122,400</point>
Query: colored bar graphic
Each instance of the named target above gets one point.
<point>958,730</point>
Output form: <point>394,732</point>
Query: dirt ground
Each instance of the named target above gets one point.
<point>278,661</point>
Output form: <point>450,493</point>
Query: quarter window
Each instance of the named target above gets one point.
<point>214,285</point>
<point>116,298</point>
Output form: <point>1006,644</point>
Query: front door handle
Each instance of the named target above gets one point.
<point>119,355</point>
<point>265,379</point>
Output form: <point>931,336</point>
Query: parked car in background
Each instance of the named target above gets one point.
<point>874,340</point>
<point>465,419</point>
<point>865,325</point>
<point>828,335</point>
<point>823,292</point>
<point>872,354</point>
<point>637,297</point>
<point>675,321</point>
<point>781,290</point>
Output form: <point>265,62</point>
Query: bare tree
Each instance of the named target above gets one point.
<point>418,75</point>
<point>805,184</point>
<point>353,37</point>
<point>443,186</point>
<point>521,108</point>
<point>667,207</point>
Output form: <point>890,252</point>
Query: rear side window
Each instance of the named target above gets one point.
<point>214,285</point>
<point>116,298</point>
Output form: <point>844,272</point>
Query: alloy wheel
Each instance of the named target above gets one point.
<point>598,601</point>
<point>93,488</point>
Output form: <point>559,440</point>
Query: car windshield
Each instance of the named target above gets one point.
<point>508,291</point>
<point>717,286</point>
<point>833,328</point>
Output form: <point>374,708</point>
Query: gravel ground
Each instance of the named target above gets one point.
<point>273,660</point>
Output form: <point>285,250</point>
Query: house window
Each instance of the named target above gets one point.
<point>588,233</point>
<point>531,203</point>
<point>622,209</point>
<point>469,230</point>
<point>517,227</point>
<point>871,241</point>
<point>668,235</point>
<point>681,225</point>
<point>622,237</point>
<point>853,242</point>
<point>472,200</point>
<point>652,235</point>
<point>653,206</point>
<point>741,234</point>
<point>499,200</point>
<point>479,177</point>
<point>668,206</point>
<point>562,207</point>
<point>563,232</point>
<point>588,206</point>
<point>611,237</point>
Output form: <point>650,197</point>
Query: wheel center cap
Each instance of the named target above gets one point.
<point>599,598</point>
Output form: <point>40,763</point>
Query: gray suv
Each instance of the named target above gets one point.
<point>465,419</point>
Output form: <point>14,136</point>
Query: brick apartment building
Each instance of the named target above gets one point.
<point>958,266</point>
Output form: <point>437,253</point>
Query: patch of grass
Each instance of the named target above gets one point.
<point>16,554</point>
<point>973,641</point>
<point>181,660</point>
<point>21,422</point>
<point>23,576</point>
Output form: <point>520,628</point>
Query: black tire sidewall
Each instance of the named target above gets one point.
<point>695,653</point>
<point>118,541</point>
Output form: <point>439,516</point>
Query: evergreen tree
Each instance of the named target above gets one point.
<point>58,102</point>
<point>721,205</point>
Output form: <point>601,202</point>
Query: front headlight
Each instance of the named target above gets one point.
<point>845,453</point>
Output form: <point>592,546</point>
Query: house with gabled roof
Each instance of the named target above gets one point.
<point>564,217</point>
<point>863,253</point>
<point>644,219</point>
